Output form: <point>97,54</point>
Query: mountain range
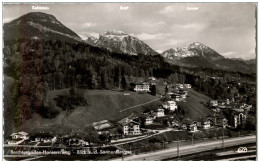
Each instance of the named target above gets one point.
<point>200,55</point>
<point>118,41</point>
<point>45,26</point>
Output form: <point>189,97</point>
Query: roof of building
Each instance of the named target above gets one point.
<point>101,125</point>
<point>188,121</point>
<point>204,119</point>
<point>126,121</point>
<point>20,133</point>
<point>171,102</point>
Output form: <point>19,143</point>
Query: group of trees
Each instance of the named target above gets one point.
<point>41,65</point>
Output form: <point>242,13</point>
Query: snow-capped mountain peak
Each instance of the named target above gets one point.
<point>115,32</point>
<point>194,49</point>
<point>119,41</point>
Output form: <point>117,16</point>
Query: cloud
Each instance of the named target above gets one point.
<point>192,26</point>
<point>229,53</point>
<point>88,24</point>
<point>173,42</point>
<point>160,23</point>
<point>147,36</point>
<point>235,54</point>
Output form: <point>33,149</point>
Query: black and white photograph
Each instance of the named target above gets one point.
<point>129,81</point>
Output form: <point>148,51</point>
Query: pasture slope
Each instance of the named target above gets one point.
<point>102,104</point>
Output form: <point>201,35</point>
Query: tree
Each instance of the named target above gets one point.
<point>153,90</point>
<point>123,82</point>
<point>166,89</point>
<point>103,79</point>
<point>117,76</point>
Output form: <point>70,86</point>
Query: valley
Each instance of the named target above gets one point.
<point>114,92</point>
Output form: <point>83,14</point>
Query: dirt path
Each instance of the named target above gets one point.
<point>140,104</point>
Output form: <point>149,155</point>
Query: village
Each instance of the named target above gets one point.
<point>151,122</point>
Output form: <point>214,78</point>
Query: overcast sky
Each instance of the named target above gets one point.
<point>228,28</point>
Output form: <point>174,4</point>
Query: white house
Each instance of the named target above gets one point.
<point>179,85</point>
<point>187,85</point>
<point>213,103</point>
<point>142,87</point>
<point>130,127</point>
<point>175,97</point>
<point>149,120</point>
<point>191,125</point>
<point>227,102</point>
<point>205,123</point>
<point>20,135</point>
<point>183,95</point>
<point>152,78</point>
<point>159,112</point>
<point>170,105</point>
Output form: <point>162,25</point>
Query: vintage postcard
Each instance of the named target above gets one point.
<point>129,81</point>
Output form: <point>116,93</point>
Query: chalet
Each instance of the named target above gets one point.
<point>183,92</point>
<point>220,120</point>
<point>183,95</point>
<point>130,127</point>
<point>222,106</point>
<point>104,124</point>
<point>221,102</point>
<point>159,112</point>
<point>191,125</point>
<point>215,109</point>
<point>140,87</point>
<point>213,103</point>
<point>149,120</point>
<point>227,102</point>
<point>246,107</point>
<point>152,78</point>
<point>175,123</point>
<point>179,85</point>
<point>239,119</point>
<point>175,97</point>
<point>20,135</point>
<point>187,85</point>
<point>170,105</point>
<point>184,126</point>
<point>76,141</point>
<point>205,123</point>
<point>239,109</point>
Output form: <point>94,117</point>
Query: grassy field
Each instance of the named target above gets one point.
<point>195,105</point>
<point>103,104</point>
